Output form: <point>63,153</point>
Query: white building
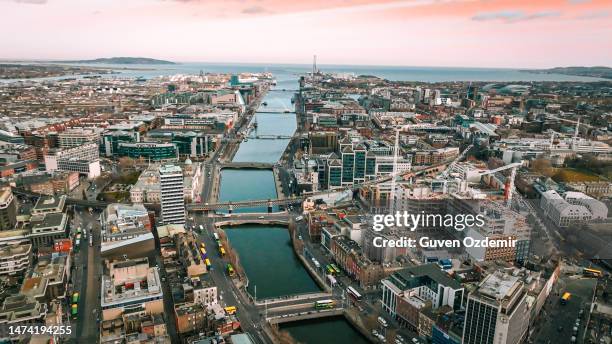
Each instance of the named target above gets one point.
<point>15,258</point>
<point>562,212</point>
<point>77,137</point>
<point>597,208</point>
<point>172,194</point>
<point>84,159</point>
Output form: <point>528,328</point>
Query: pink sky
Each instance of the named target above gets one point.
<point>471,33</point>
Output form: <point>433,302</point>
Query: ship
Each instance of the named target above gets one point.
<point>264,104</point>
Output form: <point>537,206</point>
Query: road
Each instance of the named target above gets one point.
<point>248,315</point>
<point>88,271</point>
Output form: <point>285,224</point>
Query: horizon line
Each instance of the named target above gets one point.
<point>291,63</point>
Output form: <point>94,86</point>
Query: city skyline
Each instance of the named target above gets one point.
<point>497,34</point>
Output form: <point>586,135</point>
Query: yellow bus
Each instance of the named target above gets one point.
<point>592,272</point>
<point>230,310</point>
<point>222,251</point>
<point>565,298</point>
<point>207,262</point>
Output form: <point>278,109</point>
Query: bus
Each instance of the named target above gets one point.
<point>216,236</point>
<point>207,262</point>
<point>74,310</point>
<point>324,304</point>
<point>330,270</point>
<point>79,230</point>
<point>203,251</point>
<point>351,291</point>
<point>202,245</point>
<point>75,297</point>
<point>222,251</point>
<point>565,298</point>
<point>592,272</point>
<point>230,270</point>
<point>230,310</point>
<point>201,228</point>
<point>335,268</point>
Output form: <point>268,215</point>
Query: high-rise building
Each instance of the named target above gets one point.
<point>8,209</point>
<point>497,311</point>
<point>172,196</point>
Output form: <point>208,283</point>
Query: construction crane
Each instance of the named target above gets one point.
<point>450,167</point>
<point>509,186</point>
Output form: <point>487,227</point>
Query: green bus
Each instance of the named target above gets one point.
<point>74,310</point>
<point>75,297</point>
<point>230,270</point>
<point>324,304</point>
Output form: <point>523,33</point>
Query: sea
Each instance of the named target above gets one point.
<point>290,72</point>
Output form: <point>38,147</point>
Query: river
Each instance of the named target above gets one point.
<point>265,251</point>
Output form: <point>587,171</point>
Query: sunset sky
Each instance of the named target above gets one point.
<point>470,33</point>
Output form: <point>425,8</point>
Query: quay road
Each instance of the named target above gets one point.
<point>248,315</point>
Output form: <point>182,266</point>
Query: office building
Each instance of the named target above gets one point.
<point>148,150</point>
<point>84,159</point>
<point>8,209</point>
<point>131,286</point>
<point>172,194</point>
<point>497,311</point>
<point>77,137</point>
<point>420,284</point>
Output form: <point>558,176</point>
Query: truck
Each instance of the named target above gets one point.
<point>565,298</point>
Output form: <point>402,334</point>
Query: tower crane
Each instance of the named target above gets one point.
<point>450,167</point>
<point>509,186</point>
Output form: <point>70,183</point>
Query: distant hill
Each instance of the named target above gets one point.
<point>596,72</point>
<point>123,60</point>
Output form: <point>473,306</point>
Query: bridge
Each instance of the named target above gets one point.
<point>237,219</point>
<point>277,112</point>
<point>304,315</point>
<point>270,137</point>
<point>244,204</point>
<point>230,206</point>
<point>247,165</point>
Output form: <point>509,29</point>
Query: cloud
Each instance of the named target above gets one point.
<point>32,2</point>
<point>594,15</point>
<point>514,16</point>
<point>507,15</point>
<point>255,10</point>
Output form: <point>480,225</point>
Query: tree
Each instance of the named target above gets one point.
<point>171,88</point>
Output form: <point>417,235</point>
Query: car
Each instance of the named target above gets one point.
<point>261,217</point>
